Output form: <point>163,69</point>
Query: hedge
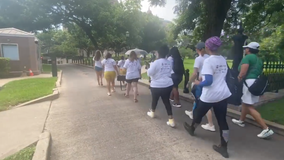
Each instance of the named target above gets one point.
<point>4,66</point>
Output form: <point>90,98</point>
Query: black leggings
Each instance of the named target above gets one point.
<point>164,93</point>
<point>220,110</point>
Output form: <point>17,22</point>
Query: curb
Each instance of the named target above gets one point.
<point>277,128</point>
<point>50,97</point>
<point>43,147</point>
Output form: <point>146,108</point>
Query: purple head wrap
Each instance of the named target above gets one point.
<point>213,43</point>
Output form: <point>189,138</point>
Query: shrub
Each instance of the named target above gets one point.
<point>4,66</point>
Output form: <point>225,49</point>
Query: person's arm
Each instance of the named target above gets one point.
<point>207,82</point>
<point>152,70</point>
<point>115,67</point>
<point>244,68</point>
<point>243,72</point>
<point>193,76</point>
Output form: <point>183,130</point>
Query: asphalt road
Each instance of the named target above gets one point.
<point>86,124</point>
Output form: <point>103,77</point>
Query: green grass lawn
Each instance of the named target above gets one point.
<point>47,68</point>
<point>20,91</point>
<point>188,64</point>
<point>25,154</point>
<point>273,111</point>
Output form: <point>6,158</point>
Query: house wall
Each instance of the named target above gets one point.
<point>28,54</point>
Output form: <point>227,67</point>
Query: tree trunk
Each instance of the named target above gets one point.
<point>216,12</point>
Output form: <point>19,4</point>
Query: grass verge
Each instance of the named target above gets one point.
<point>20,91</point>
<point>273,111</point>
<point>24,154</point>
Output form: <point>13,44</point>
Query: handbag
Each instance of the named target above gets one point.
<point>259,86</point>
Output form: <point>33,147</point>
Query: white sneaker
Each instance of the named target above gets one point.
<point>189,113</point>
<point>177,105</point>
<point>238,122</point>
<point>265,133</point>
<point>171,123</point>
<point>208,127</point>
<point>151,114</point>
<point>108,94</point>
<point>171,100</point>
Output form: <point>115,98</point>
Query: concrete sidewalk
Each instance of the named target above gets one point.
<point>21,127</point>
<point>7,80</point>
<point>87,124</point>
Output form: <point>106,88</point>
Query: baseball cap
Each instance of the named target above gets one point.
<point>252,45</point>
<point>200,45</point>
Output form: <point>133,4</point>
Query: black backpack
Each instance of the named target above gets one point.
<point>259,86</point>
<point>235,88</point>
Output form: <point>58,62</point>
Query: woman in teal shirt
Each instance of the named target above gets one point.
<point>250,68</point>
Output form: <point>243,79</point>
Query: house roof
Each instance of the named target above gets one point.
<point>15,32</point>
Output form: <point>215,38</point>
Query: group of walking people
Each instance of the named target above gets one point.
<point>209,87</point>
<point>208,83</point>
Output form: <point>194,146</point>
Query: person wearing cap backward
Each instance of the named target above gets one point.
<point>215,93</point>
<point>250,69</point>
<point>196,90</point>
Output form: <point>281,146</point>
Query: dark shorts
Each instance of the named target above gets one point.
<point>98,68</point>
<point>176,80</point>
<point>132,80</point>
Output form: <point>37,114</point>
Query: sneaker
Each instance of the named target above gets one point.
<point>171,100</point>
<point>108,94</point>
<point>171,122</point>
<point>189,113</point>
<point>189,129</point>
<point>265,133</point>
<point>177,105</point>
<point>238,122</point>
<point>222,150</point>
<point>151,114</point>
<point>208,127</point>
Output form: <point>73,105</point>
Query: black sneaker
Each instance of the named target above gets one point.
<point>189,129</point>
<point>222,150</point>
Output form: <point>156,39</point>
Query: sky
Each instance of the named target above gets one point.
<point>166,12</point>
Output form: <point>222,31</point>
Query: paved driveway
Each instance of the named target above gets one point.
<point>86,124</point>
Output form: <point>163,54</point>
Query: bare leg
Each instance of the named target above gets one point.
<point>98,77</point>
<point>101,77</point>
<point>135,89</point>
<point>128,87</point>
<point>255,114</point>
<point>176,95</point>
<point>108,86</point>
<point>245,111</point>
<point>113,85</point>
<point>209,118</point>
<point>172,95</point>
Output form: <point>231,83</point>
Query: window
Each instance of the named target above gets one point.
<point>10,51</point>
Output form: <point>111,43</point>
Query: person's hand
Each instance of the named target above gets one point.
<point>196,82</point>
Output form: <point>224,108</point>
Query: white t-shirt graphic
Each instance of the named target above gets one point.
<point>198,63</point>
<point>218,90</point>
<point>109,64</point>
<point>132,69</point>
<point>160,73</point>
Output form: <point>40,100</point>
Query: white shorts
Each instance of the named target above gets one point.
<point>247,97</point>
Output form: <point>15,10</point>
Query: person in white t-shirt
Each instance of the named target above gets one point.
<point>215,93</point>
<point>133,74</point>
<point>98,67</point>
<point>198,64</point>
<point>110,69</point>
<point>161,83</point>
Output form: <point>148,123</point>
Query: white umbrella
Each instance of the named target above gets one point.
<point>137,51</point>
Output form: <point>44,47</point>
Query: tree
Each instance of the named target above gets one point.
<point>205,16</point>
<point>58,43</point>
